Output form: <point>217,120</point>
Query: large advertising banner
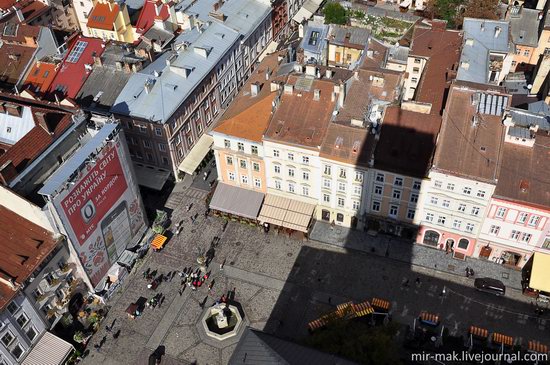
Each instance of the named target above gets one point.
<point>102,212</point>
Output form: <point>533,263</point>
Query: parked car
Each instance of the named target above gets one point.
<point>490,285</point>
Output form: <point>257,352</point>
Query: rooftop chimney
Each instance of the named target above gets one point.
<point>254,88</point>
<point>289,89</point>
<point>310,70</point>
<point>316,94</point>
<point>274,86</point>
<point>497,31</point>
<point>328,73</point>
<point>341,95</point>
<point>19,15</point>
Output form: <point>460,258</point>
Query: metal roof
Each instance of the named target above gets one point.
<point>491,104</point>
<point>344,35</point>
<point>169,87</point>
<point>539,107</point>
<point>64,172</point>
<point>13,128</point>
<point>519,132</point>
<point>50,349</point>
<point>314,45</point>
<point>525,27</point>
<point>525,118</point>
<point>481,37</point>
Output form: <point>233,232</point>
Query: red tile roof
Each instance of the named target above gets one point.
<point>37,139</point>
<point>24,247</point>
<point>148,15</point>
<point>41,76</point>
<point>13,60</point>
<point>71,75</point>
<point>103,16</point>
<point>5,4</point>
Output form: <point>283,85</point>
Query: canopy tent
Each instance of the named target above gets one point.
<point>540,273</point>
<point>237,201</point>
<point>285,212</point>
<point>50,350</point>
<point>196,155</point>
<point>309,8</point>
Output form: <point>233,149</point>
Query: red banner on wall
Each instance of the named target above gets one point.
<point>94,194</point>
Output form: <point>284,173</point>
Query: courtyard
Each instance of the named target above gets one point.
<point>282,284</point>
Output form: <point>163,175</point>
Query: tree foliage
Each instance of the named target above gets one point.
<point>454,11</point>
<point>335,13</point>
<point>358,342</point>
<point>481,9</point>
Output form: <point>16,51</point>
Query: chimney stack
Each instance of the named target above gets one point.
<point>341,95</point>
<point>254,89</point>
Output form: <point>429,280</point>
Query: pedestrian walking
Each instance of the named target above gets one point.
<point>222,264</point>
<point>467,272</point>
<point>116,334</point>
<point>108,329</point>
<point>405,283</point>
<point>329,300</point>
<point>417,281</point>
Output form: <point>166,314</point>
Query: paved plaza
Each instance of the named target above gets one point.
<point>282,284</point>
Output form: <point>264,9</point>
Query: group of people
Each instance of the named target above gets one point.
<point>193,279</point>
<point>158,299</point>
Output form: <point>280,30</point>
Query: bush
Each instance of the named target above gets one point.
<point>335,14</point>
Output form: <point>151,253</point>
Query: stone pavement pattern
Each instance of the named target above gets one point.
<point>282,284</point>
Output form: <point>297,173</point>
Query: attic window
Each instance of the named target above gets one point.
<point>524,185</point>
<point>483,148</point>
<point>338,142</point>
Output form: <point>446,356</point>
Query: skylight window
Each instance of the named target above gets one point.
<point>77,51</point>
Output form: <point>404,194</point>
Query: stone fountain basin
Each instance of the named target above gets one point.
<point>209,324</point>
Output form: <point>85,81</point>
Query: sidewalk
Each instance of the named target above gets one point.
<point>408,252</point>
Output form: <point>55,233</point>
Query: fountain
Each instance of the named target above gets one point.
<point>221,321</point>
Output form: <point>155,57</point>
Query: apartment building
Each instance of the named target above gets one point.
<point>518,218</point>
<point>109,20</point>
<point>524,25</point>
<point>487,52</point>
<point>82,9</point>
<point>346,45</point>
<point>464,173</point>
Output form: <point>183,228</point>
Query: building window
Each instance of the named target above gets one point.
<point>341,202</point>
<point>522,217</point>
<point>231,176</point>
<point>12,307</point>
<point>7,339</point>
<point>227,143</point>
<point>243,164</point>
<point>358,176</point>
<point>277,169</point>
<point>434,200</point>
<point>305,159</point>
<point>326,183</point>
<point>277,185</point>
<point>417,60</point>
<point>357,190</point>
<point>327,170</point>
<point>416,185</point>
<point>526,237</point>
<point>254,150</point>
<point>256,166</point>
<point>325,215</point>
<point>305,175</point>
<point>240,146</point>
<point>342,186</point>
<point>431,238</point>
<point>164,160</point>
<point>462,207</point>
<point>291,156</point>
<point>398,181</point>
<point>457,224</point>
<point>146,143</point>
<point>229,160</point>
<point>526,53</point>
<point>379,177</point>
<point>437,183</point>
<point>17,351</point>
<point>469,227</point>
<point>342,173</point>
<point>446,204</point>
<point>305,190</point>
<point>501,212</point>
<point>414,198</point>
<point>31,333</point>
<point>463,243</point>
<point>475,211</point>
<point>326,198</point>
<point>534,220</point>
<point>467,190</point>
<point>340,217</point>
<point>515,234</point>
<point>494,230</point>
<point>158,131</point>
<point>189,140</point>
<point>257,183</point>
<point>416,70</point>
<point>378,189</point>
<point>275,153</point>
<point>441,219</point>
<point>291,172</point>
<point>429,217</point>
<point>481,194</point>
<point>396,194</point>
<point>149,156</point>
<point>290,187</point>
<point>22,320</point>
<point>162,147</point>
<point>410,214</point>
<point>393,210</point>
<point>375,206</point>
<point>450,186</point>
<point>355,204</point>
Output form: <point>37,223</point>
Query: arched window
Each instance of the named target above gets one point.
<point>463,243</point>
<point>431,238</point>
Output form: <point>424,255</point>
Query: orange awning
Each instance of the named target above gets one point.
<point>362,309</point>
<point>536,346</point>
<point>503,339</point>
<point>429,317</point>
<point>381,304</point>
<point>479,332</point>
<point>158,241</point>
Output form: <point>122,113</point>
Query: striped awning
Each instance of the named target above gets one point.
<point>363,309</point>
<point>479,332</point>
<point>502,339</point>
<point>429,318</point>
<point>158,241</point>
<point>316,324</point>
<point>381,304</point>
<point>285,212</point>
<point>50,350</point>
<point>536,346</point>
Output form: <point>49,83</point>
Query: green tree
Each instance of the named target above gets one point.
<point>444,9</point>
<point>335,13</point>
